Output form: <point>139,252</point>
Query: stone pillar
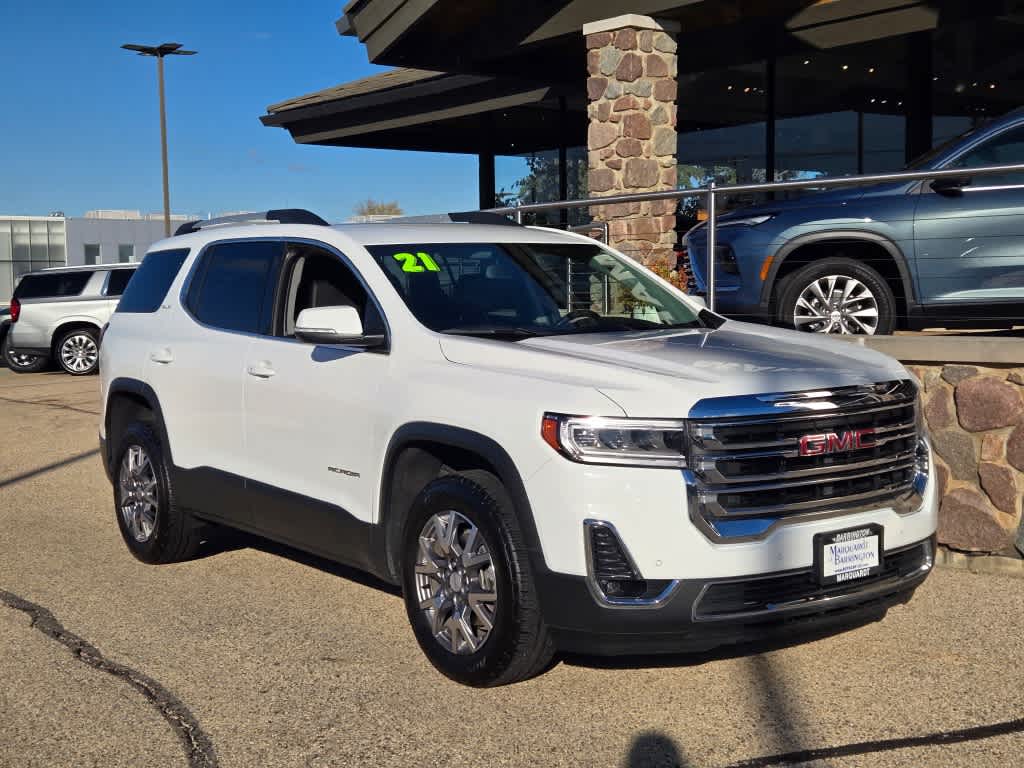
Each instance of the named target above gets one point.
<point>631,61</point>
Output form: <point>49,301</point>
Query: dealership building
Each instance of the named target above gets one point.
<point>594,97</point>
<point>29,243</point>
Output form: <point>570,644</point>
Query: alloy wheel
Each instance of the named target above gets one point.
<point>455,582</point>
<point>836,304</point>
<point>138,493</point>
<point>20,359</point>
<point>79,353</point>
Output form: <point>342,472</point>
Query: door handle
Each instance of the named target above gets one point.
<point>163,356</point>
<point>262,370</point>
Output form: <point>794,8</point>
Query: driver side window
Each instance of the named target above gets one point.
<point>317,278</point>
<point>1005,149</point>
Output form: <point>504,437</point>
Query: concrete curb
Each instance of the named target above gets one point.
<point>988,564</point>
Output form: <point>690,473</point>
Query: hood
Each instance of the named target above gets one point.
<point>663,373</point>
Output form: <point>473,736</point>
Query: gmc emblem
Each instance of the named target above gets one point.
<point>833,442</point>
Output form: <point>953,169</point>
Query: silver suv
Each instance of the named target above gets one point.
<point>58,314</point>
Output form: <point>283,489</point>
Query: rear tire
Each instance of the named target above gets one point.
<point>836,296</point>
<point>153,526</point>
<point>78,352</point>
<point>22,363</point>
<point>440,588</point>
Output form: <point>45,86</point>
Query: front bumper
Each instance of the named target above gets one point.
<point>700,614</point>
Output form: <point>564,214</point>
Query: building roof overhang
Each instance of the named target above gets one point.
<point>433,111</point>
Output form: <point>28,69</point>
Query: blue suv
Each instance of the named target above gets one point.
<point>872,259</point>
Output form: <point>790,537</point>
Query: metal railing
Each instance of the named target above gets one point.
<point>711,191</point>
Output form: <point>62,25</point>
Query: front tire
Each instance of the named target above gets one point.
<point>153,526</point>
<point>22,363</point>
<point>836,296</point>
<point>78,352</point>
<point>468,586</point>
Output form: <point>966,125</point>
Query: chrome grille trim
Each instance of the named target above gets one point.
<point>736,476</point>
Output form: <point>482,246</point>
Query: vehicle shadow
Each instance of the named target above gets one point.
<point>653,749</point>
<point>740,650</point>
<point>229,540</point>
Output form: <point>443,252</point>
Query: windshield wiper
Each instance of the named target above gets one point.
<point>509,334</point>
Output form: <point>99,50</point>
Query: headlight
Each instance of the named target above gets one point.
<point>747,221</point>
<point>601,440</point>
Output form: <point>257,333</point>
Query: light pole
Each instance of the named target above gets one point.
<point>159,51</point>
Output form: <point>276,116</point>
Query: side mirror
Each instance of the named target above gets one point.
<point>950,185</point>
<point>335,325</point>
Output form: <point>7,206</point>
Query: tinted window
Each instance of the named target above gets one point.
<point>1005,149</point>
<point>52,285</point>
<point>148,286</point>
<point>233,288</point>
<point>118,280</point>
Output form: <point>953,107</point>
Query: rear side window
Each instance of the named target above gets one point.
<point>147,288</point>
<point>233,287</point>
<point>44,286</point>
<point>118,280</point>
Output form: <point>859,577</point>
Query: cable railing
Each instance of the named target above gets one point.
<point>711,191</point>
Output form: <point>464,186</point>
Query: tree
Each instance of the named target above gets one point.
<point>371,207</point>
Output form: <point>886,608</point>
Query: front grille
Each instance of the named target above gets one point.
<point>746,465</point>
<point>745,597</point>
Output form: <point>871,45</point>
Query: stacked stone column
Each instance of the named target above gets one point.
<point>631,62</point>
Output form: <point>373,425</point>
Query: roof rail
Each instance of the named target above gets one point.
<point>277,216</point>
<point>460,217</point>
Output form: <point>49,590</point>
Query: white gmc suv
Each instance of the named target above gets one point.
<point>543,443</point>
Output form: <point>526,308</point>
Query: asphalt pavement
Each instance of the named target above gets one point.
<point>259,656</point>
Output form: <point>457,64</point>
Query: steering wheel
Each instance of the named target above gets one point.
<point>580,317</point>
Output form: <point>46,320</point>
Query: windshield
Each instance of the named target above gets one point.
<point>519,290</point>
<point>922,162</point>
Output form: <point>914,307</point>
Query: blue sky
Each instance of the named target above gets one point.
<point>79,124</point>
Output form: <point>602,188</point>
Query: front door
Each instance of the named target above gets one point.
<point>970,240</point>
<point>312,415</point>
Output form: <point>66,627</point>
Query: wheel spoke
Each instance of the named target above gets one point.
<point>454,582</point>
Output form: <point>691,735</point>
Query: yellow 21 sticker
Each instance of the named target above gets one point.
<point>417,262</point>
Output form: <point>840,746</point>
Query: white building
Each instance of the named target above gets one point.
<point>29,243</point>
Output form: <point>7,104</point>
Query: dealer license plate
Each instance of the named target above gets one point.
<point>848,555</point>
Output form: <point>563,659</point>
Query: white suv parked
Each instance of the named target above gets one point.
<point>543,443</point>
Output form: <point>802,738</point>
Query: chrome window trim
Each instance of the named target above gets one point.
<point>866,591</point>
<point>198,259</point>
<point>619,602</point>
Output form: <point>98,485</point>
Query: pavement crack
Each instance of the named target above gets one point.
<point>199,749</point>
<point>47,404</point>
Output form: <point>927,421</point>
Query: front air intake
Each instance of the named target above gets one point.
<point>612,572</point>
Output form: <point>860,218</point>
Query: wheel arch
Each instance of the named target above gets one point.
<point>417,453</point>
<point>784,263</point>
<point>68,324</point>
<point>129,399</point>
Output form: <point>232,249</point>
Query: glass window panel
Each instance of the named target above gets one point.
<point>19,236</point>
<point>6,282</point>
<point>57,255</point>
<point>39,240</point>
<point>5,241</point>
<point>21,268</point>
<point>92,253</point>
<point>125,253</point>
<point>884,142</point>
<point>234,287</point>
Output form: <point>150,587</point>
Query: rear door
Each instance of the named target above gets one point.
<point>197,366</point>
<point>970,240</point>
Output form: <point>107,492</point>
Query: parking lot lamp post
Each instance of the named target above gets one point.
<point>158,52</point>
